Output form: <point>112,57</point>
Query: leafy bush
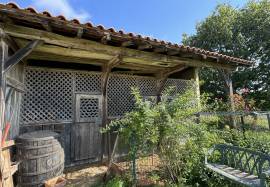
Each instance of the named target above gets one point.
<point>181,144</point>
<point>115,182</point>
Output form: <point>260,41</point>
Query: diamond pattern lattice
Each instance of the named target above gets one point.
<point>49,93</point>
<point>178,85</point>
<point>48,96</point>
<point>88,82</point>
<point>120,99</point>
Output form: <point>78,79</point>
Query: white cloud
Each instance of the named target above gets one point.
<point>63,7</point>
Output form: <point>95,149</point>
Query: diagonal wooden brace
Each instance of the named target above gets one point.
<point>20,54</point>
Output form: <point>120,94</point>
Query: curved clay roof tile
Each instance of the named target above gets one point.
<point>101,27</point>
<point>76,21</point>
<point>162,42</point>
<point>32,10</point>
<point>111,30</point>
<point>13,5</point>
<point>148,38</point>
<point>131,34</point>
<point>61,17</point>
<point>88,24</point>
<point>46,13</point>
<point>121,32</point>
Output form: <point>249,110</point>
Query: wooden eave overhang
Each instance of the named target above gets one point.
<point>72,41</point>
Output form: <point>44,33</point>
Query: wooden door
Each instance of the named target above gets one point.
<point>87,137</point>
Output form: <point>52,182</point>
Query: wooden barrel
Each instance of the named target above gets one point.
<point>42,158</point>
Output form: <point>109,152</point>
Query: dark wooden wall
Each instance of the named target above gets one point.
<point>14,89</point>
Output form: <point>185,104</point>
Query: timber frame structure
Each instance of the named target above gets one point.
<point>74,78</point>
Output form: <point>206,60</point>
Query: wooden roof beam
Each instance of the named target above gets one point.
<point>170,71</point>
<point>11,43</point>
<point>144,46</point>
<point>173,52</point>
<point>129,55</point>
<point>46,25</point>
<point>128,44</point>
<point>160,49</point>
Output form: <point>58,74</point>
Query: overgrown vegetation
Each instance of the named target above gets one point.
<point>170,128</point>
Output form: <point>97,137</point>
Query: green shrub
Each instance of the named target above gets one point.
<point>180,143</point>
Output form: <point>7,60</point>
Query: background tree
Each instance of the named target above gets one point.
<point>241,32</point>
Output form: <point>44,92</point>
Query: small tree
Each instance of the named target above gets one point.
<point>168,126</point>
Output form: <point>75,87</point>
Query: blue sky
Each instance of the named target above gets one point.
<point>161,19</point>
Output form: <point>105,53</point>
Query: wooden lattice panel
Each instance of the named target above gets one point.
<point>88,82</point>
<point>89,108</point>
<point>120,99</point>
<point>48,96</point>
<point>178,86</point>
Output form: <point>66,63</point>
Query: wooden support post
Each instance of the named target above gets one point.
<point>228,80</point>
<point>197,85</point>
<point>105,77</point>
<point>4,56</point>
<point>268,119</point>
<point>160,85</point>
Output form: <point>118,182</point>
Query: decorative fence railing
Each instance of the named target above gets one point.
<point>252,119</point>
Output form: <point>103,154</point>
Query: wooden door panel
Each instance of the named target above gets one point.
<point>87,139</point>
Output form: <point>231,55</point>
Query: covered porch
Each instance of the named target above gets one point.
<point>74,78</point>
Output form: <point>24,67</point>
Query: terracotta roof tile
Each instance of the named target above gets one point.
<point>61,17</point>
<point>101,27</point>
<point>46,13</point>
<point>88,24</point>
<point>13,5</point>
<point>130,35</point>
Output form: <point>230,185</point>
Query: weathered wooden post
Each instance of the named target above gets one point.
<point>105,78</point>
<point>197,85</point>
<point>198,94</point>
<point>3,55</point>
<point>268,119</point>
<point>255,120</point>
<point>228,80</point>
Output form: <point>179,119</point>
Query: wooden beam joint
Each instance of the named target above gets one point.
<point>20,54</point>
<point>172,70</point>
